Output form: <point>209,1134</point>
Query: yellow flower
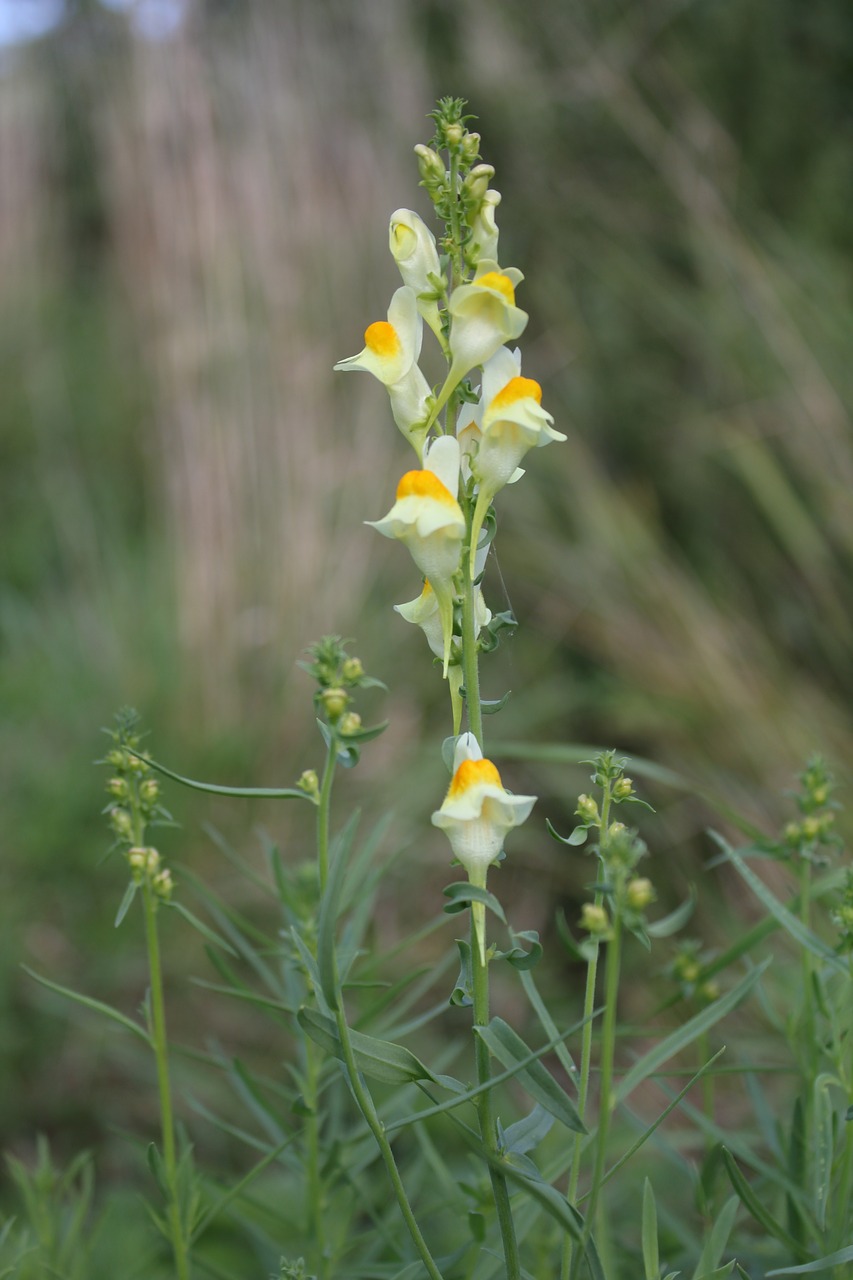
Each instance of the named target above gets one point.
<point>483,317</point>
<point>413,248</point>
<point>428,519</point>
<point>511,421</point>
<point>391,353</point>
<point>476,815</point>
<point>484,230</point>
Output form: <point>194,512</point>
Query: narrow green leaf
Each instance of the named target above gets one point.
<point>554,1203</point>
<point>789,922</point>
<point>753,1205</point>
<point>251,793</point>
<point>158,1170</point>
<point>577,837</point>
<point>716,1242</point>
<point>510,1050</point>
<point>202,928</point>
<point>379,1059</point>
<point>823,1111</point>
<point>718,1273</point>
<point>520,958</point>
<point>820,1264</point>
<point>462,995</point>
<point>685,1035</point>
<point>124,906</point>
<point>493,707</point>
<point>675,920</point>
<point>462,894</point>
<point>88,1003</point>
<point>651,1256</point>
<point>526,1134</point>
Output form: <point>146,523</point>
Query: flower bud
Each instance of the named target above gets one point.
<point>136,765</point>
<point>335,702</point>
<point>820,795</point>
<point>352,670</point>
<point>121,823</point>
<point>149,790</point>
<point>454,134</point>
<point>595,919</point>
<point>471,147</point>
<point>709,991</point>
<point>118,787</point>
<point>623,788</point>
<point>792,833</point>
<point>163,884</point>
<point>309,782</point>
<point>476,184</point>
<point>137,858</point>
<point>811,827</point>
<point>152,861</point>
<point>639,894</point>
<point>349,723</point>
<point>116,758</point>
<point>587,809</point>
<point>615,830</point>
<point>430,166</point>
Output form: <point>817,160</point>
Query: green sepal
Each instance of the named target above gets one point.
<point>462,893</point>
<point>379,1059</point>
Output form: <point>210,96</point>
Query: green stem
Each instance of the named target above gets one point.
<point>161,1054</point>
<point>470,657</point>
<point>608,1045</point>
<point>323,809</point>
<point>485,1110</point>
<point>368,1110</point>
<point>315,1185</point>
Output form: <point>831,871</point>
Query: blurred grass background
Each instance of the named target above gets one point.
<point>193,209</point>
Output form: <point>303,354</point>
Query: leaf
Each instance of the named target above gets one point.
<point>462,894</point>
<point>509,1049</point>
<point>518,957</point>
<point>685,1035</point>
<point>651,1256</point>
<point>577,837</point>
<point>753,1205</point>
<point>823,1144</point>
<point>158,1170</point>
<point>379,1059</point>
<point>97,1005</point>
<point>555,1204</point>
<point>124,906</point>
<point>251,793</point>
<point>675,920</point>
<point>526,1134</point>
<point>462,995</point>
<point>715,1243</point>
<point>820,1264</point>
<point>789,922</point>
<point>582,952</point>
<point>493,707</point>
<point>202,928</point>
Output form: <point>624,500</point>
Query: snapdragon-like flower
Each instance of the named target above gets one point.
<point>476,815</point>
<point>428,519</point>
<point>484,228</point>
<point>413,248</point>
<point>511,421</point>
<point>390,353</point>
<point>483,317</point>
<point>424,612</point>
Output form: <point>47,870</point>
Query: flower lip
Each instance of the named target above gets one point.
<point>424,484</point>
<point>382,339</point>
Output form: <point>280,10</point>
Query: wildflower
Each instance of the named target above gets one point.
<point>484,231</point>
<point>414,250</point>
<point>390,353</point>
<point>476,815</point>
<point>428,519</point>
<point>424,613</point>
<point>484,317</point>
<point>512,421</point>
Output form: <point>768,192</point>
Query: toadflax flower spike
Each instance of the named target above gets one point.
<point>391,353</point>
<point>483,317</point>
<point>428,519</point>
<point>512,421</point>
<point>476,815</point>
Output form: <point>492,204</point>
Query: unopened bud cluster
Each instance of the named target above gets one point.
<point>688,970</point>
<point>338,675</point>
<point>134,805</point>
<point>812,835</point>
